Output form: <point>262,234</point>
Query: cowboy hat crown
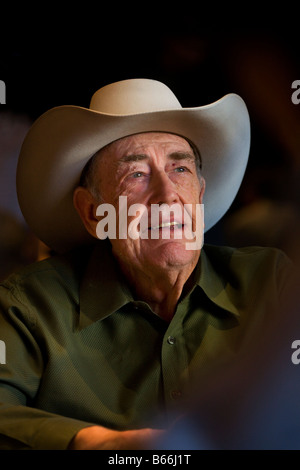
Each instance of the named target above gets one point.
<point>134,97</point>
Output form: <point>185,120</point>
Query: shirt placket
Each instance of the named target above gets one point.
<point>174,362</point>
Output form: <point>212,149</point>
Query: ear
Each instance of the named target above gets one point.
<point>86,206</point>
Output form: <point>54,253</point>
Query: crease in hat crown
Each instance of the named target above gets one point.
<point>134,96</point>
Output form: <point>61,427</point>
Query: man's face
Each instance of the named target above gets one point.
<point>152,169</point>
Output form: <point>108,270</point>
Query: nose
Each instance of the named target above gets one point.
<point>163,190</point>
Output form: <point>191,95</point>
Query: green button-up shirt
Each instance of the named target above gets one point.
<point>80,350</point>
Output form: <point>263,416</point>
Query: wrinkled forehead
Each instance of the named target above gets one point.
<point>140,143</point>
<point>135,144</point>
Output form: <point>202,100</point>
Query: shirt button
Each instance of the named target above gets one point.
<point>171,340</point>
<point>176,394</point>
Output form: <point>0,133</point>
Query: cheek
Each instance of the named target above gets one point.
<point>109,192</point>
<point>135,188</point>
<point>191,191</point>
<point>196,188</point>
<point>126,250</point>
<point>107,181</point>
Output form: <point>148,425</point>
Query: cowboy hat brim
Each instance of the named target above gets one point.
<point>62,140</point>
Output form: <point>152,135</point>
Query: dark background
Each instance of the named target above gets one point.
<point>52,55</point>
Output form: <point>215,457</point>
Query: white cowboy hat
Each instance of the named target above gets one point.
<point>63,139</point>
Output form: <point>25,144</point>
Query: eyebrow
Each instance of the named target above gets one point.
<point>182,156</point>
<point>134,158</point>
<point>171,156</point>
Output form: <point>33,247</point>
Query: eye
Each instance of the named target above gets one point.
<point>137,174</point>
<point>180,169</point>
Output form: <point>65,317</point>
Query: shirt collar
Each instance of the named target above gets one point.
<point>210,279</point>
<point>103,291</point>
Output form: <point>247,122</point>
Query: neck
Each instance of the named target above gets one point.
<point>160,288</point>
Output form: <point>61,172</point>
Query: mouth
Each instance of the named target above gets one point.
<point>171,225</point>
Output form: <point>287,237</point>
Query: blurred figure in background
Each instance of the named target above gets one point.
<point>261,66</point>
<point>263,69</point>
<point>18,245</point>
<point>251,402</point>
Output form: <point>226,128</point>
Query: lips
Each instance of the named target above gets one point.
<point>164,222</point>
<point>167,220</point>
<point>173,224</point>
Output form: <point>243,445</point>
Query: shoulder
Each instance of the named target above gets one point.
<point>250,268</point>
<point>56,273</point>
<point>250,257</point>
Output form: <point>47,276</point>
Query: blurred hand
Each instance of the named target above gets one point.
<point>101,438</point>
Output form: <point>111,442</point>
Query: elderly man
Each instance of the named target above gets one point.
<point>105,338</point>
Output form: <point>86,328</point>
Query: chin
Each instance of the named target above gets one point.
<point>172,253</point>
